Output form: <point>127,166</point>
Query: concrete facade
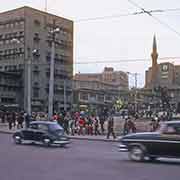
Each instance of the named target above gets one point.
<point>10,90</point>
<point>32,29</point>
<point>98,90</point>
<point>163,74</point>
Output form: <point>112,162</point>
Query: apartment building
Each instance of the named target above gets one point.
<point>26,36</point>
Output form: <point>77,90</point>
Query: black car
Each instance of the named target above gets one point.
<point>163,143</point>
<point>43,132</point>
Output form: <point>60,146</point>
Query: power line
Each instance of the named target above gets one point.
<point>121,60</point>
<point>124,15</point>
<point>157,19</point>
<point>89,60</point>
<point>104,17</point>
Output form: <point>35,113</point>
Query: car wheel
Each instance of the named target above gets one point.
<point>46,142</point>
<point>152,158</point>
<point>17,139</point>
<point>136,153</point>
<point>62,145</point>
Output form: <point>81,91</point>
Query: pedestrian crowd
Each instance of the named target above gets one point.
<point>83,124</point>
<point>14,119</point>
<point>80,123</point>
<point>73,123</point>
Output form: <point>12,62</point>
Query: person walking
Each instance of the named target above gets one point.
<point>9,120</point>
<point>110,127</point>
<point>20,120</point>
<point>96,126</point>
<point>27,120</point>
<point>102,120</point>
<point>67,118</point>
<point>14,119</point>
<point>126,127</point>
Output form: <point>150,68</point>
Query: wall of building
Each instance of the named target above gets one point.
<point>33,33</point>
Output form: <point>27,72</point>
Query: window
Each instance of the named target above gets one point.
<point>83,96</point>
<point>172,129</point>
<point>21,33</point>
<point>37,22</point>
<point>36,92</point>
<point>177,128</point>
<point>33,126</point>
<point>43,127</point>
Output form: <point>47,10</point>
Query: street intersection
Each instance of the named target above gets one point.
<point>81,160</point>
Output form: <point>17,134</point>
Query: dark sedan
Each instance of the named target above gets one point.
<point>44,132</point>
<point>163,143</point>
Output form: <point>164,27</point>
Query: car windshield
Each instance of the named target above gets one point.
<point>56,128</point>
<point>162,128</point>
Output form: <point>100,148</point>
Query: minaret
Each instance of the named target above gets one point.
<point>154,56</point>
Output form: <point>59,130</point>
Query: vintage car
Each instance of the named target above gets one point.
<point>151,145</point>
<point>44,132</point>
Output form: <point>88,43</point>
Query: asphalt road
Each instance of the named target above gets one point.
<point>82,160</point>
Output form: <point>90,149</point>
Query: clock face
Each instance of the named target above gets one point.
<point>165,67</point>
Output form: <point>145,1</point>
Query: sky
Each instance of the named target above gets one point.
<point>115,39</point>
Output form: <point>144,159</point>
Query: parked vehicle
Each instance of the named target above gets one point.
<point>43,132</point>
<point>163,143</point>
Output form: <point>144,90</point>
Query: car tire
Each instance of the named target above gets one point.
<point>62,145</point>
<point>17,139</point>
<point>136,153</point>
<point>46,142</point>
<point>152,158</point>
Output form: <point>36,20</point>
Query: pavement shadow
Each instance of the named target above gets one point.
<point>171,162</point>
<point>44,147</point>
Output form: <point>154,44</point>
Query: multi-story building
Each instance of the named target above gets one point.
<point>10,90</point>
<point>98,90</point>
<point>114,78</point>
<point>164,75</point>
<point>26,36</point>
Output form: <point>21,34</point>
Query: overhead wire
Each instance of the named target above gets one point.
<point>155,18</point>
<point>111,60</point>
<point>124,15</point>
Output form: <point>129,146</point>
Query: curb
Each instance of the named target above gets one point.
<point>93,139</point>
<point>6,132</point>
<point>75,137</point>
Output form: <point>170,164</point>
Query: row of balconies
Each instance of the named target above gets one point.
<point>10,36</point>
<point>12,23</point>
<point>14,51</point>
<point>57,59</point>
<point>60,43</point>
<point>95,99</point>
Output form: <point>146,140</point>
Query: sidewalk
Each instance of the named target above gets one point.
<point>4,129</point>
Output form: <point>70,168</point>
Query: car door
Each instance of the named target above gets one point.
<point>40,132</point>
<point>29,133</point>
<point>171,140</point>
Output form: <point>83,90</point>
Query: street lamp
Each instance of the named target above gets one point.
<point>51,79</point>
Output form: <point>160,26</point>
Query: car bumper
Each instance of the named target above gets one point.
<point>122,148</point>
<point>61,142</point>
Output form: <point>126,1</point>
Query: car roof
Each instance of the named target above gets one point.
<point>43,122</point>
<point>173,122</point>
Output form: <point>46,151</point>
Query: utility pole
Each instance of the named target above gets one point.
<point>29,83</point>
<point>135,97</point>
<point>65,102</point>
<point>51,80</point>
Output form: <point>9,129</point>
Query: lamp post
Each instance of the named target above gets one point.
<point>51,80</point>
